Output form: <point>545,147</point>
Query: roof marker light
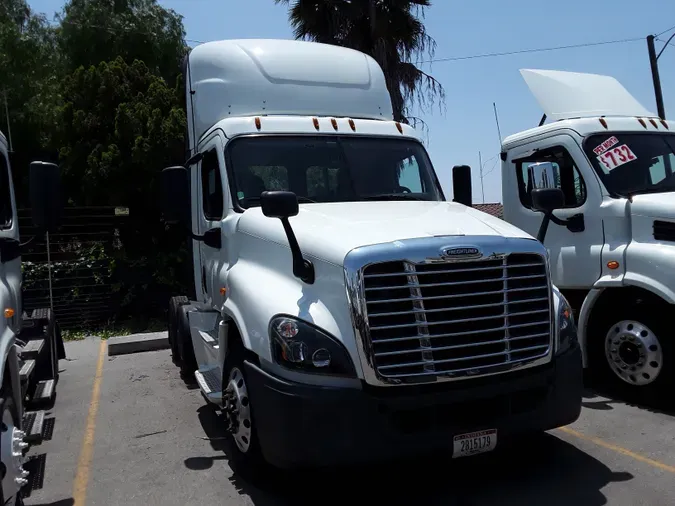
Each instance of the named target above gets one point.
<point>257,123</point>
<point>642,122</point>
<point>399,127</point>
<point>663,122</point>
<point>352,125</point>
<point>333,122</point>
<point>316,122</point>
<point>653,123</point>
<point>603,122</point>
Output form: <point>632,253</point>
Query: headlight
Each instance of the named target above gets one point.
<point>567,328</point>
<point>299,346</point>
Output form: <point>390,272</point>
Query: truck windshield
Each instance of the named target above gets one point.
<point>331,169</point>
<point>633,163</point>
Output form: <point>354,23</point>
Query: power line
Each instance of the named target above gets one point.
<point>531,50</point>
<point>665,31</point>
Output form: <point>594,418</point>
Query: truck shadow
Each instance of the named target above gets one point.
<point>539,470</point>
<point>602,398</point>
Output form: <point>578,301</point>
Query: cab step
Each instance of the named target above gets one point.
<point>44,391</point>
<point>26,370</point>
<point>209,382</point>
<point>33,423</point>
<point>32,349</point>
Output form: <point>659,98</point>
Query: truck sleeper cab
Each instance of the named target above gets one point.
<point>343,310</point>
<point>611,252</point>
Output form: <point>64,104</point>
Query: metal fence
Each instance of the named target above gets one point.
<point>82,255</point>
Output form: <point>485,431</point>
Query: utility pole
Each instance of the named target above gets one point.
<point>653,61</point>
<point>480,164</point>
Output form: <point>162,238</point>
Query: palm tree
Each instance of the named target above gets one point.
<point>391,31</point>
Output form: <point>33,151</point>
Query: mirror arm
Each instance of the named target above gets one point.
<point>302,268</point>
<point>543,228</point>
<point>559,221</point>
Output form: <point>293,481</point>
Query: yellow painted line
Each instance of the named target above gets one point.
<point>618,449</point>
<point>82,476</point>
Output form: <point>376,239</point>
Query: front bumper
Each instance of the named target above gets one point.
<point>301,425</point>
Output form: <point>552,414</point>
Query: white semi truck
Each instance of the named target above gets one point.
<point>343,310</point>
<point>30,346</point>
<point>612,242</point>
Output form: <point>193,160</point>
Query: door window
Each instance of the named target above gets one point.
<point>568,177</point>
<point>212,188</point>
<point>5,194</point>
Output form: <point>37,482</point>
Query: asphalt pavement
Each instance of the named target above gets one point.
<point>128,430</point>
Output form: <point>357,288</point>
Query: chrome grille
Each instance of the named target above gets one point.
<point>457,318</point>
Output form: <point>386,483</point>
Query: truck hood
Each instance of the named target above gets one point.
<point>329,231</point>
<point>654,205</point>
<point>564,95</point>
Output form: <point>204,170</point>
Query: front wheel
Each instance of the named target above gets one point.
<point>238,411</point>
<point>14,476</point>
<point>637,353</point>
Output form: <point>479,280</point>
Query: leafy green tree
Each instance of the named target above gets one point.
<point>121,125</point>
<point>391,31</point>
<point>29,84</point>
<point>92,31</point>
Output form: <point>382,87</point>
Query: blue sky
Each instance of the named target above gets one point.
<point>460,28</point>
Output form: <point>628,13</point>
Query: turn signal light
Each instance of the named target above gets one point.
<point>612,264</point>
<point>223,290</point>
<point>9,312</point>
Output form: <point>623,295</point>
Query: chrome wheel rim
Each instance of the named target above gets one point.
<point>634,352</point>
<point>238,410</point>
<point>12,444</point>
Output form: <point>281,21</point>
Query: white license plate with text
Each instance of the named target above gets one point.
<point>473,443</point>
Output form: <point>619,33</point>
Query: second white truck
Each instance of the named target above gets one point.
<point>343,310</point>
<point>612,242</point>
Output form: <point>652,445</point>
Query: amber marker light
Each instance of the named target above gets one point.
<point>257,123</point>
<point>613,264</point>
<point>316,122</point>
<point>9,312</point>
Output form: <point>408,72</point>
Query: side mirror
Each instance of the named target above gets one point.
<point>543,175</point>
<point>175,189</point>
<point>283,205</point>
<point>279,204</point>
<point>461,184</point>
<point>46,200</point>
<point>547,200</point>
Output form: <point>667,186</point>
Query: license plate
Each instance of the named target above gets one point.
<point>473,443</point>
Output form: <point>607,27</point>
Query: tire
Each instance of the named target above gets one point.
<point>188,362</point>
<point>633,353</point>
<point>7,404</point>
<point>174,306</point>
<point>244,447</point>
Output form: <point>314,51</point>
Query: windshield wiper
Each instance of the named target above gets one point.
<point>391,196</point>
<point>302,200</point>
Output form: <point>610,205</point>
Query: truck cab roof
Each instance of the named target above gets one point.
<point>265,77</point>
<point>591,125</point>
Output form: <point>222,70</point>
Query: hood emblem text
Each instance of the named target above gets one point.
<point>461,253</point>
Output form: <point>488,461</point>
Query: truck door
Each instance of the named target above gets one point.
<point>10,261</point>
<point>208,180</point>
<point>575,250</point>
